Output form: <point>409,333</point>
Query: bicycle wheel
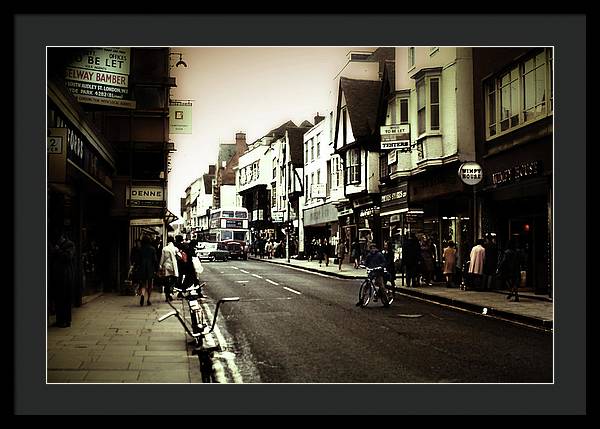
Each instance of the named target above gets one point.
<point>364,293</point>
<point>390,292</point>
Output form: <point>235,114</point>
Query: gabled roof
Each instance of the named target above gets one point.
<point>296,142</point>
<point>362,101</point>
<point>208,178</point>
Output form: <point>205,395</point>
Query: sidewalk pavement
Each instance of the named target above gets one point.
<point>532,310</point>
<point>112,339</point>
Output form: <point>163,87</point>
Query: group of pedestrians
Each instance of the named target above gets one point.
<point>174,266</point>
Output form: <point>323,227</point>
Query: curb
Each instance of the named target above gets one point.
<point>475,308</point>
<point>478,308</point>
<point>314,270</point>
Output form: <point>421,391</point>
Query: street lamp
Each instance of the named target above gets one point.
<point>180,62</point>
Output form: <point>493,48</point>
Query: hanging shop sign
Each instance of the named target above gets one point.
<point>145,196</point>
<point>57,154</point>
<point>180,117</point>
<point>100,76</point>
<point>470,173</point>
<point>517,172</point>
<point>395,137</point>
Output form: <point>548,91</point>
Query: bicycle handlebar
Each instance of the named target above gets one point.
<point>189,289</point>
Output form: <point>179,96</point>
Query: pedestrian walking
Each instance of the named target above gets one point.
<point>62,277</point>
<point>169,267</point>
<point>509,270</point>
<point>388,253</point>
<point>449,258</point>
<point>135,261</point>
<point>324,252</point>
<point>148,267</point>
<point>491,262</point>
<point>427,261</point>
<point>341,251</point>
<point>410,260</point>
<point>476,263</point>
<point>355,253</point>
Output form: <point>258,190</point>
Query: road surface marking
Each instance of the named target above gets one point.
<point>229,357</point>
<point>292,290</point>
<point>272,282</point>
<point>257,276</point>
<point>235,268</point>
<point>244,271</point>
<point>241,281</point>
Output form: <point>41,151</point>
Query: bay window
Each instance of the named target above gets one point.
<point>521,94</point>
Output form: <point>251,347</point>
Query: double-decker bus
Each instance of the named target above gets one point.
<point>230,226</point>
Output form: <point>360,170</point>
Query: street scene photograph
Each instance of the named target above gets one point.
<point>301,214</point>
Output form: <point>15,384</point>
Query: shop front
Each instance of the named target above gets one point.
<point>320,222</point>
<point>79,194</point>
<point>517,205</point>
<point>441,210</point>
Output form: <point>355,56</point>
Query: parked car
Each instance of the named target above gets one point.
<point>212,251</point>
<point>236,249</point>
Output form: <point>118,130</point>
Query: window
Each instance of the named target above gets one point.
<point>353,166</point>
<point>305,153</point>
<point>520,94</point>
<point>428,104</point>
<point>421,107</point>
<point>335,172</point>
<point>312,149</point>
<point>306,187</point>
<point>383,165</point>
<point>404,110</point>
<point>411,57</point>
<point>318,145</point>
<point>328,178</point>
<point>434,100</point>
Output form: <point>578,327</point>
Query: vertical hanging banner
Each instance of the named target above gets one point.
<point>100,76</point>
<point>180,117</point>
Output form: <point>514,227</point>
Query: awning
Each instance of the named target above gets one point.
<point>170,217</point>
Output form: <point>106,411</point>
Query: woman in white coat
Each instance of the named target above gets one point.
<point>168,266</point>
<point>476,263</point>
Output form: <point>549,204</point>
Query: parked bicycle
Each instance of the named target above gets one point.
<point>196,324</point>
<point>369,291</point>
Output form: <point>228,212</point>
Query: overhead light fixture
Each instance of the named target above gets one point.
<point>180,62</point>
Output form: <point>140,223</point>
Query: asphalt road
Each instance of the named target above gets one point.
<point>292,326</point>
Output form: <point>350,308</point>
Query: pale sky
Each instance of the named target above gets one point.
<point>245,89</point>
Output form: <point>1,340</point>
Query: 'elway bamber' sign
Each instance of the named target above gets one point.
<point>100,76</point>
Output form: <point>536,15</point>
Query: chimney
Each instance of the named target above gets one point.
<point>240,143</point>
<point>318,118</point>
<point>212,169</point>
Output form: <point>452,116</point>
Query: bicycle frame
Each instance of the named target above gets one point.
<point>365,296</point>
<point>198,327</point>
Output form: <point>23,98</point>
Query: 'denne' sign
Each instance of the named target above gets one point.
<point>146,196</point>
<point>470,173</point>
